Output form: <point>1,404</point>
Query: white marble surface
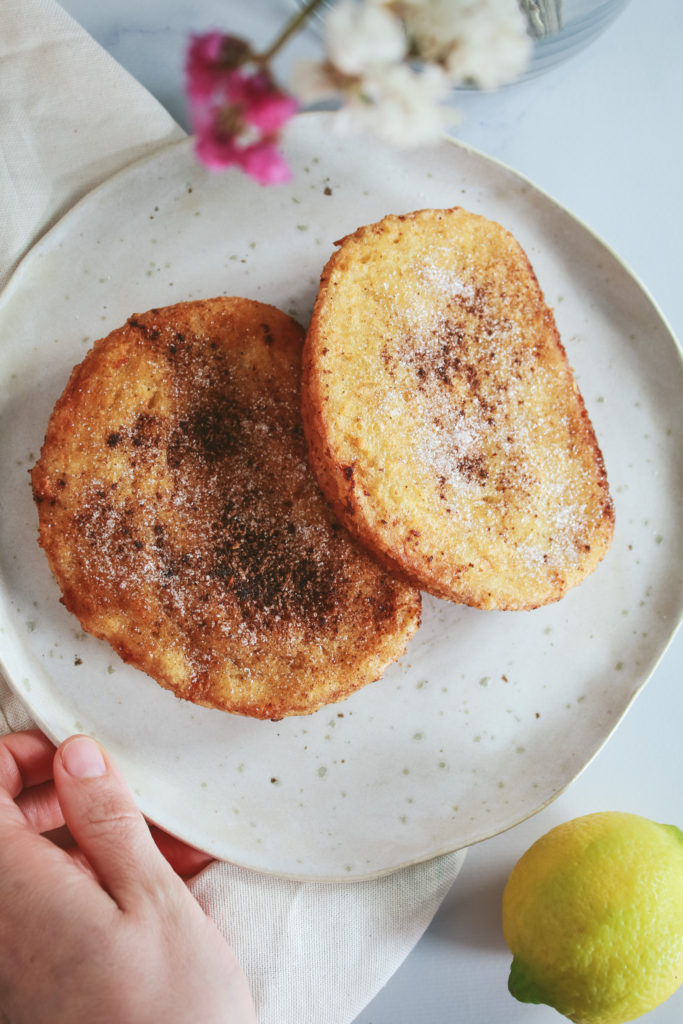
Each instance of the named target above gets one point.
<point>601,134</point>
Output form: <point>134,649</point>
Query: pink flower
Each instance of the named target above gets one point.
<point>202,66</point>
<point>261,160</point>
<point>270,110</point>
<point>264,162</point>
<point>236,113</point>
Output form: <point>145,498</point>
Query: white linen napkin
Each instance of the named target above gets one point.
<point>69,118</point>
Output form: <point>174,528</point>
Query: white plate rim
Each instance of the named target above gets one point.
<point>15,282</point>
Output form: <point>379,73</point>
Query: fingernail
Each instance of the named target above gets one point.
<point>82,758</point>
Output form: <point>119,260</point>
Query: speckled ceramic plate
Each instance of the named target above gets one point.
<point>489,715</point>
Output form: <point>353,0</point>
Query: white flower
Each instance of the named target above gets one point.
<point>369,48</point>
<point>360,36</point>
<point>313,80</point>
<point>484,42</point>
<point>396,104</point>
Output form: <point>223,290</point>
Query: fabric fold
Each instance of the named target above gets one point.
<point>322,951</point>
<point>70,117</point>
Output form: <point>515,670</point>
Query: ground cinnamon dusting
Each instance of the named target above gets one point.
<point>192,514</point>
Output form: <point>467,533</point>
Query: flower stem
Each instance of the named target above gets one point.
<point>292,26</point>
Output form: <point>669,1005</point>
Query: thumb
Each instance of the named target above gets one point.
<point>105,822</point>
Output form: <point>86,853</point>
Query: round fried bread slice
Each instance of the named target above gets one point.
<point>184,525</point>
<point>443,420</point>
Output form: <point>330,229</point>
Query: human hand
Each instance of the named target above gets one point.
<point>103,930</point>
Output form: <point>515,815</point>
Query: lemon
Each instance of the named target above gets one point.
<point>593,915</point>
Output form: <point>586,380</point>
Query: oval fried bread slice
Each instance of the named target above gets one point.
<point>184,525</point>
<point>443,420</point>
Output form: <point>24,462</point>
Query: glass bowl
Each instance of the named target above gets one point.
<point>559,28</point>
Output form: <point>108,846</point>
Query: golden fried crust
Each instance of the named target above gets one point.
<point>443,420</point>
<point>184,526</point>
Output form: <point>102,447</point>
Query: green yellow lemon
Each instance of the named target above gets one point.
<point>593,915</point>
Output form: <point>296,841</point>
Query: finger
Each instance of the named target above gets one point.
<point>25,760</point>
<point>106,824</point>
<point>40,806</point>
<point>185,860</point>
<point>61,837</point>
